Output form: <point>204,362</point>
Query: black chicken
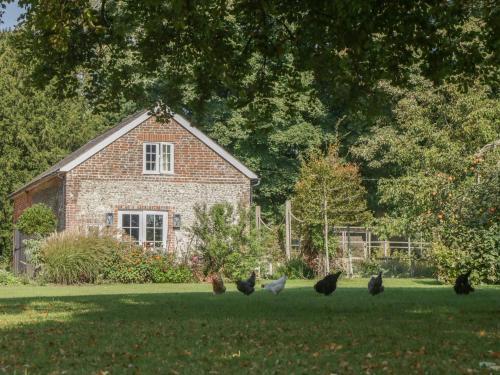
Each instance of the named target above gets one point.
<point>462,284</point>
<point>375,284</point>
<point>246,287</point>
<point>328,284</point>
<point>251,280</point>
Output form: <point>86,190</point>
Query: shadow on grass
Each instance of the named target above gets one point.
<point>195,332</point>
<point>193,305</point>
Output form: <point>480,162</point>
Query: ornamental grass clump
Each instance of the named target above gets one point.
<point>78,256</point>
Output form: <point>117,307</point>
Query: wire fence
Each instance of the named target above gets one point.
<point>357,251</point>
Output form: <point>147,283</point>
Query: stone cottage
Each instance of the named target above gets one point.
<point>142,176</point>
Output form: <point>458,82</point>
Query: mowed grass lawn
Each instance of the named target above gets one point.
<point>415,326</point>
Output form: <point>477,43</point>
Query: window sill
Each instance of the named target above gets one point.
<point>158,173</point>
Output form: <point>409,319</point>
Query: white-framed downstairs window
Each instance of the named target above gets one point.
<point>158,158</point>
<point>148,228</point>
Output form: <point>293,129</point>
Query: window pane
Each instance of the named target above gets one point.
<point>135,220</point>
<point>164,158</point>
<point>125,220</point>
<point>150,166</point>
<point>169,158</point>
<point>150,157</point>
<point>158,234</point>
<point>150,234</point>
<point>134,232</point>
<point>158,220</point>
<point>150,220</point>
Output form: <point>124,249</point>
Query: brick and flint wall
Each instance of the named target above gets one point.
<point>113,180</point>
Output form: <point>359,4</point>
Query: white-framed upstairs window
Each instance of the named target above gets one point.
<point>158,158</point>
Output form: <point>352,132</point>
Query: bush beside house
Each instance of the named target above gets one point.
<point>225,241</point>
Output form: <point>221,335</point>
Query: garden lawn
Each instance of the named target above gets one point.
<point>415,326</point>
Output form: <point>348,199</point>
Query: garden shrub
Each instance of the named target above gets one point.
<point>165,271</point>
<point>226,240</point>
<point>138,265</point>
<point>296,268</point>
<point>127,266</point>
<point>369,267</point>
<point>7,278</point>
<point>32,251</point>
<point>38,219</point>
<point>478,252</point>
<point>78,257</point>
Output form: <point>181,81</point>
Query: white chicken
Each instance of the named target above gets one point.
<point>276,286</point>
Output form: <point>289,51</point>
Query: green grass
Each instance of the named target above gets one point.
<point>415,326</point>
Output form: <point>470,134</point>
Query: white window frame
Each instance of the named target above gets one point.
<point>120,220</point>
<point>142,223</point>
<point>159,156</point>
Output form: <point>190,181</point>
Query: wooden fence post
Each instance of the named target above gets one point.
<point>385,248</point>
<point>421,247</point>
<point>288,229</point>
<point>369,241</point>
<point>257,218</point>
<point>409,256</point>
<point>349,250</point>
<point>327,255</point>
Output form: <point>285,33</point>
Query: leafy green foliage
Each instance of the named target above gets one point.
<point>328,185</point>
<point>436,181</point>
<point>39,219</point>
<point>33,251</point>
<point>279,77</point>
<point>72,257</point>
<point>400,266</point>
<point>162,50</point>
<point>467,237</point>
<point>226,240</point>
<point>7,278</point>
<point>36,128</point>
<point>272,132</point>
<point>137,265</point>
<point>296,268</point>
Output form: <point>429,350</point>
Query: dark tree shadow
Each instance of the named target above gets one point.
<point>196,332</point>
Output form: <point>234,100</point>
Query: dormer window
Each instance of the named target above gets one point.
<point>158,158</point>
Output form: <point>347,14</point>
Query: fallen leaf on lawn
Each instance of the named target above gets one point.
<point>482,333</point>
<point>334,347</point>
<point>344,364</point>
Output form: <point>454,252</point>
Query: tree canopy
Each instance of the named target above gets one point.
<point>154,49</point>
<point>409,90</point>
<point>36,129</point>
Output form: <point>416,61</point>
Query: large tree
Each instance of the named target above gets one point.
<point>433,178</point>
<point>329,192</point>
<point>267,79</point>
<point>156,48</point>
<point>36,130</point>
